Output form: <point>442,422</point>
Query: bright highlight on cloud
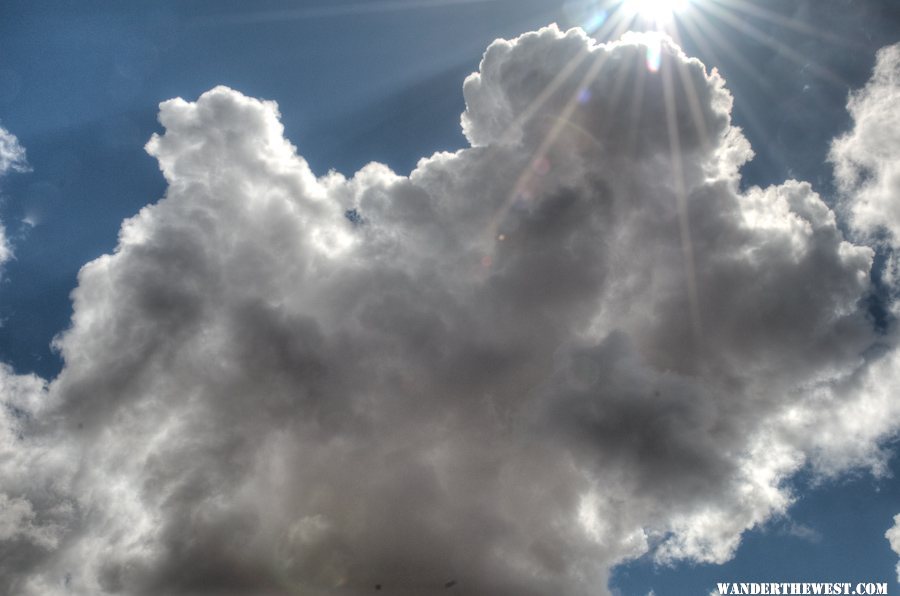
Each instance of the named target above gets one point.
<point>571,344</point>
<point>867,159</point>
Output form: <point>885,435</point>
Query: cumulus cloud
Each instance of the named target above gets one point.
<point>867,158</point>
<point>35,507</point>
<point>573,343</point>
<point>866,161</point>
<point>893,536</point>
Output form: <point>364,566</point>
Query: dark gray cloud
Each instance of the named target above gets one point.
<point>574,343</point>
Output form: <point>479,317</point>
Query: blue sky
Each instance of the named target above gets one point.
<point>357,82</point>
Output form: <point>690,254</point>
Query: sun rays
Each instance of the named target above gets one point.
<point>707,24</point>
<point>710,26</point>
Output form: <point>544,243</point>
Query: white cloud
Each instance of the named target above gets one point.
<point>867,159</point>
<point>893,536</point>
<point>5,249</point>
<point>12,158</point>
<point>517,367</point>
<point>12,154</point>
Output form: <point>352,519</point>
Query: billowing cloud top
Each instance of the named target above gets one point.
<point>867,159</point>
<point>574,343</point>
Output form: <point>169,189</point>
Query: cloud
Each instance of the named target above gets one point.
<point>35,507</point>
<point>866,158</point>
<point>12,158</point>
<point>573,343</point>
<point>12,154</point>
<point>893,536</point>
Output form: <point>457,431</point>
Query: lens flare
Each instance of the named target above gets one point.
<point>595,21</point>
<point>654,53</point>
